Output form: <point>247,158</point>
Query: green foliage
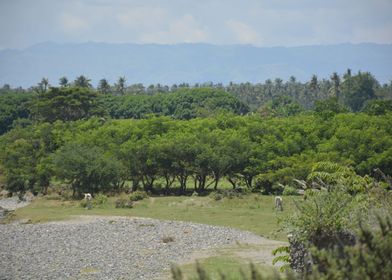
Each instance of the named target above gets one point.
<point>321,215</point>
<point>358,89</point>
<point>377,107</point>
<point>182,104</point>
<point>281,106</point>
<point>100,199</point>
<point>138,195</point>
<point>329,108</point>
<point>329,175</point>
<point>86,168</point>
<point>288,190</point>
<point>282,255</point>
<point>66,104</point>
<point>248,152</point>
<point>12,107</point>
<point>370,258</point>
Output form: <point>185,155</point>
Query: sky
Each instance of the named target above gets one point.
<point>257,22</point>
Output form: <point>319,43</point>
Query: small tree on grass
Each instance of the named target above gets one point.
<point>87,169</point>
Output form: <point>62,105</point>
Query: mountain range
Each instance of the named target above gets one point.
<point>190,63</point>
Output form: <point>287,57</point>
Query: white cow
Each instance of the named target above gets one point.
<point>278,203</point>
<point>88,197</point>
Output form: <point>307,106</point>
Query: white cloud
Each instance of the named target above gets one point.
<point>185,29</point>
<point>136,17</point>
<point>72,23</point>
<point>243,32</point>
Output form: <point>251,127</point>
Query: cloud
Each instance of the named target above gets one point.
<point>259,22</point>
<point>185,29</point>
<point>243,32</point>
<point>71,23</point>
<point>137,17</point>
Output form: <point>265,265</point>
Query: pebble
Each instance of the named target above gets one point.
<point>105,247</point>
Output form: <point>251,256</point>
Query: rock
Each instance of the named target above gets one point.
<point>5,194</point>
<point>28,197</point>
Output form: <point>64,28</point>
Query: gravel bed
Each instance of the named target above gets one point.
<point>12,203</point>
<point>106,247</point>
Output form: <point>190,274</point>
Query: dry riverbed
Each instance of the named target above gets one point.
<point>93,247</point>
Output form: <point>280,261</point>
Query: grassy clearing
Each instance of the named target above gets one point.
<point>233,268</point>
<point>253,212</point>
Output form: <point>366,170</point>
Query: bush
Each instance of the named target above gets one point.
<point>123,203</point>
<point>371,258</point>
<point>100,199</point>
<point>138,195</point>
<point>287,190</point>
<point>321,221</point>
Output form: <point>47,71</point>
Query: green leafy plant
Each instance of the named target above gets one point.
<point>138,195</point>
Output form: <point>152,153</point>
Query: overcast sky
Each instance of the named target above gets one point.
<point>257,22</point>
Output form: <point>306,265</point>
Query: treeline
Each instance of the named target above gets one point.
<point>79,100</point>
<point>305,94</point>
<point>73,103</point>
<point>160,154</point>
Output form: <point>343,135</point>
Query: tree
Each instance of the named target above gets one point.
<point>120,86</point>
<point>313,84</point>
<point>42,86</point>
<point>358,89</point>
<point>82,82</point>
<point>87,168</point>
<point>67,104</point>
<point>63,82</point>
<point>336,84</point>
<point>103,86</point>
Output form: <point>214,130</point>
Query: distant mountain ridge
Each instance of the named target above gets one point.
<point>190,63</point>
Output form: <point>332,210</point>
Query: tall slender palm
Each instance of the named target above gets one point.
<point>82,81</point>
<point>120,85</point>
<point>336,84</point>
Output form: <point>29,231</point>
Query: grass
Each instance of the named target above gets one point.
<point>232,267</point>
<point>253,212</point>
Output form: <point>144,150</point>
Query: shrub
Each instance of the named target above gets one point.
<point>288,190</point>
<point>138,195</point>
<point>123,203</point>
<point>371,258</point>
<point>100,199</point>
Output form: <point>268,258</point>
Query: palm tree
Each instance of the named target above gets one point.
<point>336,84</point>
<point>63,81</point>
<point>42,86</point>
<point>103,86</point>
<point>82,81</point>
<point>120,85</point>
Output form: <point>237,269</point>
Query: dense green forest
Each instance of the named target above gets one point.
<point>96,139</point>
<point>78,99</point>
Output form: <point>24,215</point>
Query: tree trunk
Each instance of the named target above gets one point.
<point>232,182</point>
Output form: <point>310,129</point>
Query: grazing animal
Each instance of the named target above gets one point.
<point>88,197</point>
<point>278,203</point>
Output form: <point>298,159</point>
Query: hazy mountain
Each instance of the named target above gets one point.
<point>168,64</point>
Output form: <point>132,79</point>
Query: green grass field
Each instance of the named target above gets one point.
<point>253,212</point>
